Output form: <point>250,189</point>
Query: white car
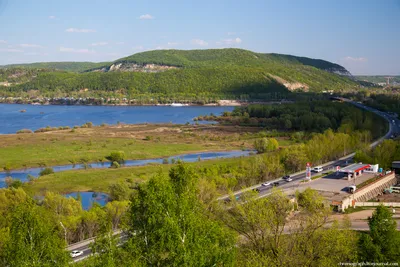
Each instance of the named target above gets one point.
<point>289,179</point>
<point>76,253</point>
<point>266,184</point>
<point>317,169</point>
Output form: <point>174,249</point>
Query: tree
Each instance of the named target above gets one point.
<point>266,144</point>
<point>33,239</point>
<point>118,156</point>
<point>383,241</point>
<point>276,236</point>
<point>170,225</point>
<point>119,191</point>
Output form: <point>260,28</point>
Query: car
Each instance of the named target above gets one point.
<point>275,184</point>
<point>317,169</point>
<point>289,179</point>
<point>266,184</point>
<point>286,177</point>
<point>256,190</point>
<point>76,253</point>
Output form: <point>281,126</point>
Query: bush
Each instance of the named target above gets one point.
<point>46,171</point>
<point>148,138</point>
<point>165,161</point>
<point>115,165</point>
<point>31,178</point>
<point>24,131</point>
<point>266,144</point>
<point>117,156</point>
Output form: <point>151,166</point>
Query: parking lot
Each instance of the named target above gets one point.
<point>334,183</point>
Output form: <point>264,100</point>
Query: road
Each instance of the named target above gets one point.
<point>394,130</point>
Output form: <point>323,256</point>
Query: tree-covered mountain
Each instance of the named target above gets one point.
<point>214,73</point>
<point>67,66</point>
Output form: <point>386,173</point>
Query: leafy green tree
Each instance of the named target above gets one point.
<point>266,144</point>
<point>383,241</point>
<point>118,156</point>
<point>33,239</point>
<point>119,191</point>
<point>171,227</point>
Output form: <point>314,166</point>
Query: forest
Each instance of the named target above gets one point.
<point>218,73</point>
<point>307,116</point>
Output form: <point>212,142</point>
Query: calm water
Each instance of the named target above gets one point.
<point>35,117</point>
<point>23,174</point>
<point>88,198</point>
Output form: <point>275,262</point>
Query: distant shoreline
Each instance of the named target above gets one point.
<point>220,103</point>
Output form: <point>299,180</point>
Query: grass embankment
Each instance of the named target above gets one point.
<point>86,145</point>
<point>99,180</point>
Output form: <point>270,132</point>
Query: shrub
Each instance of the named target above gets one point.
<point>266,144</point>
<point>46,171</point>
<point>24,131</point>
<point>165,161</point>
<point>115,165</point>
<point>148,138</point>
<point>117,156</point>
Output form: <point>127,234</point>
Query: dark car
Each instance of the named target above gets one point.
<point>286,177</point>
<point>256,190</point>
<point>275,184</point>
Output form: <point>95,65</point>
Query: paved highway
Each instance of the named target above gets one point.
<point>394,130</point>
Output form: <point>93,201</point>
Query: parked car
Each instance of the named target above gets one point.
<point>76,253</point>
<point>317,169</point>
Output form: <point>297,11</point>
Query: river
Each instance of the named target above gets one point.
<point>23,174</point>
<point>35,117</point>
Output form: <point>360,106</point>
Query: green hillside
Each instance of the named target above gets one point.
<point>213,73</point>
<point>67,66</point>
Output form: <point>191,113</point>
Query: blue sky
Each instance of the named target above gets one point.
<point>362,35</point>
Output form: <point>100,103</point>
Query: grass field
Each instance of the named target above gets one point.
<point>99,180</point>
<point>85,145</point>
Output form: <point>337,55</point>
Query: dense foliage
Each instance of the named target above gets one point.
<point>309,116</point>
<point>218,73</point>
<point>383,154</point>
<point>67,66</point>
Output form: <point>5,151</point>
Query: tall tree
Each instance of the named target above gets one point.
<point>33,239</point>
<point>171,228</point>
<point>383,241</point>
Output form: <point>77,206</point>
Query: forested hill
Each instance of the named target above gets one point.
<point>188,74</point>
<point>225,57</point>
<point>67,66</point>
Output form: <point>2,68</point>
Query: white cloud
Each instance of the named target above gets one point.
<point>3,41</point>
<point>52,17</point>
<point>237,40</point>
<point>99,44</point>
<point>199,42</point>
<point>79,30</point>
<point>73,50</point>
<point>146,16</point>
<point>11,50</point>
<point>172,43</point>
<point>31,45</point>
<point>120,43</point>
<point>356,59</point>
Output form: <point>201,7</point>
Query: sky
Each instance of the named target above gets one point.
<point>361,35</point>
